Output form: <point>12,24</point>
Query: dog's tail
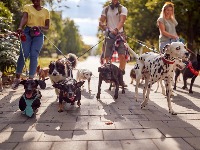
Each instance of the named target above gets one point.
<point>73,59</point>
<point>131,51</point>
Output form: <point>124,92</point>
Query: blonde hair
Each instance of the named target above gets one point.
<point>165,6</point>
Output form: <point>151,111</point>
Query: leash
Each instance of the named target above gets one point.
<point>19,36</point>
<point>142,44</point>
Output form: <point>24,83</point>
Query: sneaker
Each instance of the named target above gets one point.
<point>15,83</point>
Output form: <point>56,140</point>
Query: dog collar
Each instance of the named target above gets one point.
<point>167,61</point>
<point>190,67</point>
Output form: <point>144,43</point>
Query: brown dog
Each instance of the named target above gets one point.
<point>42,72</point>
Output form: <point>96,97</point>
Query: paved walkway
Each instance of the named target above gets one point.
<point>105,124</point>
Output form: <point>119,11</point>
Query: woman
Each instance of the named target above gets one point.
<point>34,20</point>
<point>167,25</point>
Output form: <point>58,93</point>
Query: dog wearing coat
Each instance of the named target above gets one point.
<point>158,67</point>
<point>69,92</point>
<point>30,100</point>
<point>61,69</point>
<point>110,74</point>
<point>84,74</point>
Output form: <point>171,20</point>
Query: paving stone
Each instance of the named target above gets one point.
<point>17,127</point>
<point>51,136</point>
<point>194,131</point>
<point>146,133</point>
<point>88,135</point>
<point>74,126</point>
<point>34,145</point>
<point>103,145</point>
<point>153,124</point>
<point>71,145</point>
<point>172,143</point>
<point>7,146</point>
<point>127,125</point>
<point>101,125</point>
<point>142,144</point>
<point>118,135</point>
<point>194,142</point>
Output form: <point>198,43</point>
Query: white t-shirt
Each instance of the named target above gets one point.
<point>113,16</point>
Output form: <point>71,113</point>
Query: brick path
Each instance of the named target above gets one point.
<point>105,124</point>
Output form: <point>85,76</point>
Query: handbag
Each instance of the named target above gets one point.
<point>34,31</point>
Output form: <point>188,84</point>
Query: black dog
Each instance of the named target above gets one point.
<point>190,71</point>
<point>70,92</point>
<point>110,74</point>
<point>30,100</point>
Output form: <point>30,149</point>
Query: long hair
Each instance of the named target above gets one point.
<point>165,6</point>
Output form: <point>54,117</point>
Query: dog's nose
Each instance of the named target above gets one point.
<point>187,54</point>
<point>54,74</point>
<point>70,94</point>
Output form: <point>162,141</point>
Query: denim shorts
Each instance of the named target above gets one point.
<point>109,48</point>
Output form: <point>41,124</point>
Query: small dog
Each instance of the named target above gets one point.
<point>69,92</point>
<point>190,71</point>
<point>1,83</point>
<point>30,100</point>
<point>84,74</point>
<point>110,73</point>
<point>133,76</point>
<point>156,67</point>
<point>42,72</point>
<point>62,68</point>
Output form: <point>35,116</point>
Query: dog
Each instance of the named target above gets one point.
<point>42,72</point>
<point>133,76</point>
<point>156,67</point>
<point>1,83</point>
<point>30,100</point>
<point>61,69</point>
<point>191,71</point>
<point>84,74</point>
<point>69,92</point>
<point>110,74</point>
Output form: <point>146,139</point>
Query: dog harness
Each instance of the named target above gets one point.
<point>190,67</point>
<point>29,110</point>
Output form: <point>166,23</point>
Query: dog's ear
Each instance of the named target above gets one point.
<point>41,83</point>
<point>165,48</point>
<point>79,84</point>
<point>58,86</point>
<point>99,69</point>
<point>23,82</point>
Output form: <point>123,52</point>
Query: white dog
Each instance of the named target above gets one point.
<point>155,67</point>
<point>84,74</point>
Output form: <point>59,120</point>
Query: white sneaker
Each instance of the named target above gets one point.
<point>15,83</point>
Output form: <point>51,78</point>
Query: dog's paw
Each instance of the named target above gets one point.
<point>190,91</point>
<point>172,112</point>
<point>98,96</point>
<point>79,104</point>
<point>123,91</point>
<point>184,87</point>
<point>60,110</point>
<point>115,96</point>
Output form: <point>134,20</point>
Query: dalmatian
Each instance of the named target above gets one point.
<point>154,67</point>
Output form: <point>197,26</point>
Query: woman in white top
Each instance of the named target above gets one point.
<point>167,25</point>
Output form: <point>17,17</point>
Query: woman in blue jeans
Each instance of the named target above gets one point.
<point>167,26</point>
<point>35,19</point>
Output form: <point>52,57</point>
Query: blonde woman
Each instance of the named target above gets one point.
<point>167,25</point>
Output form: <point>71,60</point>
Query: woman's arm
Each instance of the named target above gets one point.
<point>46,27</point>
<point>23,21</point>
<point>164,32</point>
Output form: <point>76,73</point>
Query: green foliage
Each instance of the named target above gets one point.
<point>71,39</point>
<point>9,47</point>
